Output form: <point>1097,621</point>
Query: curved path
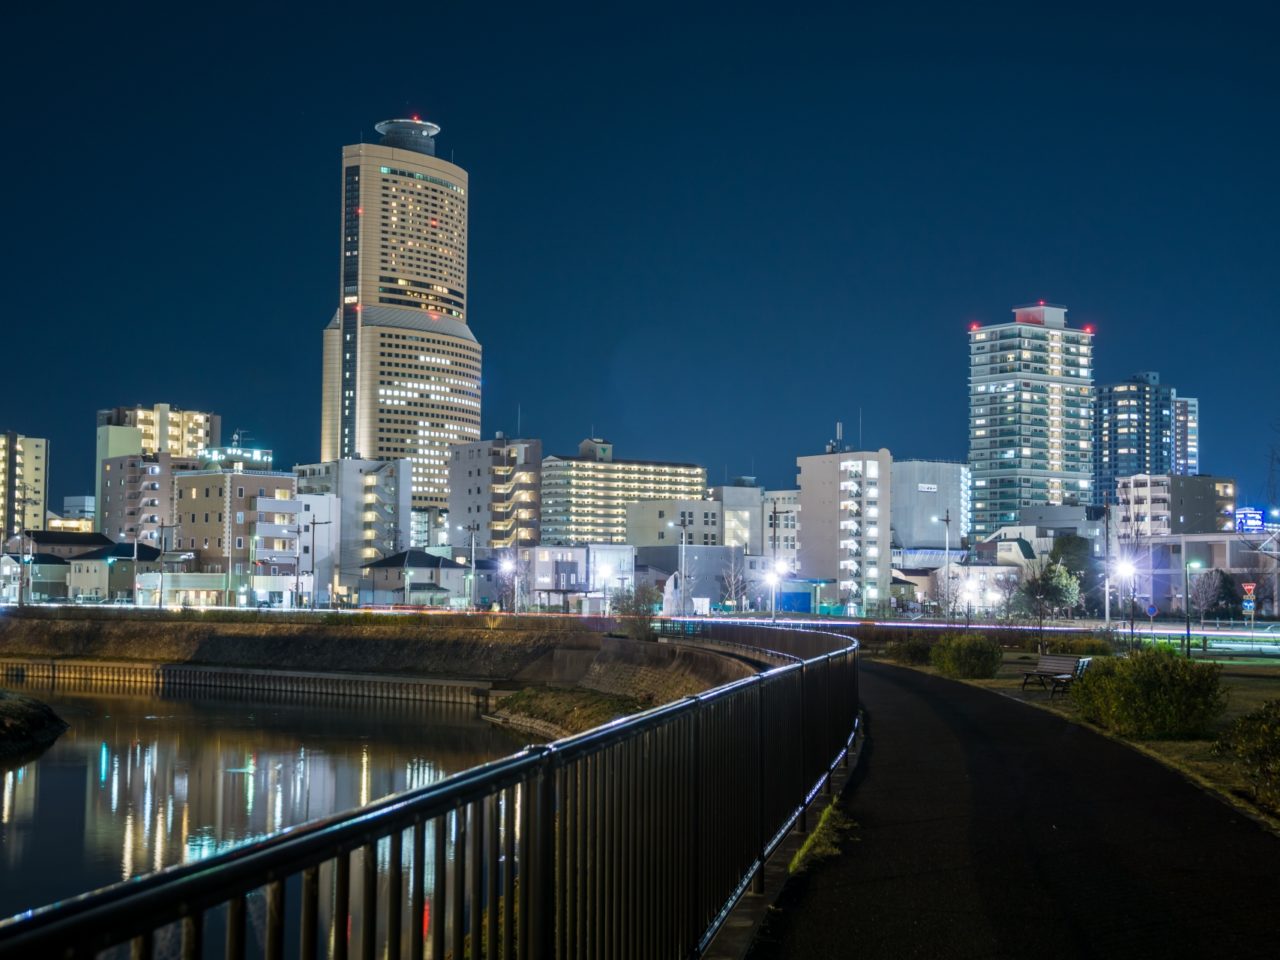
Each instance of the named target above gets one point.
<point>987,828</point>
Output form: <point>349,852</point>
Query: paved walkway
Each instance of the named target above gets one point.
<point>987,828</point>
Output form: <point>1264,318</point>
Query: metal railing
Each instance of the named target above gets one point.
<point>631,840</point>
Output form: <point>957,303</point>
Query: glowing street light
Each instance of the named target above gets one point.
<point>606,574</point>
<point>508,567</point>
<point>1187,567</point>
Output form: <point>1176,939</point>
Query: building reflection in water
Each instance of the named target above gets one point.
<point>140,783</point>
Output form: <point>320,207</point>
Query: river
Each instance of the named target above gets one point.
<point>141,782</point>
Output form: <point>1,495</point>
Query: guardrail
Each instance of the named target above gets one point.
<point>634,839</point>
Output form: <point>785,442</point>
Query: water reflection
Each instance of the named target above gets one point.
<point>140,782</point>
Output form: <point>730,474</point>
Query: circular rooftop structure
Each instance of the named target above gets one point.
<point>412,134</point>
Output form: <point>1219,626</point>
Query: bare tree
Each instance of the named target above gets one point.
<point>1206,591</point>
<point>735,585</point>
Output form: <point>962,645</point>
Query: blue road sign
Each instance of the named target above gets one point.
<point>1152,610</point>
<point>1247,604</point>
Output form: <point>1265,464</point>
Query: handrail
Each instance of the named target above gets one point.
<point>605,829</point>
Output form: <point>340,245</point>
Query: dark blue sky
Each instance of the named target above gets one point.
<point>709,235</point>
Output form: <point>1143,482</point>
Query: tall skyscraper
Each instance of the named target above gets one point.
<point>1030,415</point>
<point>1133,431</point>
<point>1142,426</point>
<point>401,366</point>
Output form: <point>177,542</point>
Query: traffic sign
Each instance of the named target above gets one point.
<point>1248,605</point>
<point>1152,610</point>
<point>1249,588</point>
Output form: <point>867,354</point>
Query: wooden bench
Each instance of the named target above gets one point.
<point>1055,672</point>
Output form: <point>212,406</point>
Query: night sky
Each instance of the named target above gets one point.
<point>706,236</point>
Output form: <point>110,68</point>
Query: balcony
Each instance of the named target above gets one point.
<point>274,531</point>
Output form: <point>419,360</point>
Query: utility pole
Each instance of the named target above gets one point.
<point>684,524</point>
<point>1106,560</point>
<point>160,592</point>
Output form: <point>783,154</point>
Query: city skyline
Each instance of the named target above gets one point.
<point>798,236</point>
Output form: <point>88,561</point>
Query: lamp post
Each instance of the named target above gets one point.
<point>1187,565</point>
<point>772,579</point>
<point>1128,572</point>
<point>945,520</point>
<point>684,524</point>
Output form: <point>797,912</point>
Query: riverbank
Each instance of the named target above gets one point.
<point>457,647</point>
<point>27,726</point>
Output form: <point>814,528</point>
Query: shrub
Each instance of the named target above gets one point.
<point>969,656</point>
<point>914,650</point>
<point>1152,695</point>
<point>1254,740</point>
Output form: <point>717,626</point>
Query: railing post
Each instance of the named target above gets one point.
<point>757,882</point>
<point>542,879</point>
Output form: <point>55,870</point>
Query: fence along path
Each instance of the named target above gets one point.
<point>631,840</point>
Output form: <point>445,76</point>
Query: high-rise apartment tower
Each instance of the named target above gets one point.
<point>1030,415</point>
<point>401,366</point>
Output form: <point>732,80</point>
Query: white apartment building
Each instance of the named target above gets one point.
<point>1030,415</point>
<point>495,489</point>
<point>374,511</point>
<point>780,522</point>
<point>846,504</point>
<point>584,498</point>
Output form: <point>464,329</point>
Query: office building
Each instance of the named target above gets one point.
<point>845,509</point>
<point>495,488</point>
<point>584,498</point>
<point>1186,436</point>
<point>24,479</point>
<point>1030,415</point>
<point>374,514</point>
<point>401,365</point>
<point>1167,504</point>
<point>930,510</point>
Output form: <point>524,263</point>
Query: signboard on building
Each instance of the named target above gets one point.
<point>1248,520</point>
<point>927,487</point>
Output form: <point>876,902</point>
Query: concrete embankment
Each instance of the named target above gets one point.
<point>27,726</point>
<point>454,647</point>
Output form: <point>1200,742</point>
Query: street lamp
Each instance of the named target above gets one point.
<point>1128,572</point>
<point>946,562</point>
<point>1187,566</point>
<point>771,578</point>
<point>508,567</point>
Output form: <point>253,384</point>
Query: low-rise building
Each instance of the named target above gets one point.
<point>1165,566</point>
<point>112,573</point>
<point>415,578</point>
<point>658,523</point>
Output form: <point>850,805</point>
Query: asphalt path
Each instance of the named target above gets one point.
<point>989,828</point>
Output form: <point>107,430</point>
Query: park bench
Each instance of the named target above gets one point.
<point>1055,672</point>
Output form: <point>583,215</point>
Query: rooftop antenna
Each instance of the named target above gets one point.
<point>839,436</point>
<point>518,434</point>
<point>859,428</point>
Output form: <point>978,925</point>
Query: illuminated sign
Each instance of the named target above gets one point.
<point>1248,520</point>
